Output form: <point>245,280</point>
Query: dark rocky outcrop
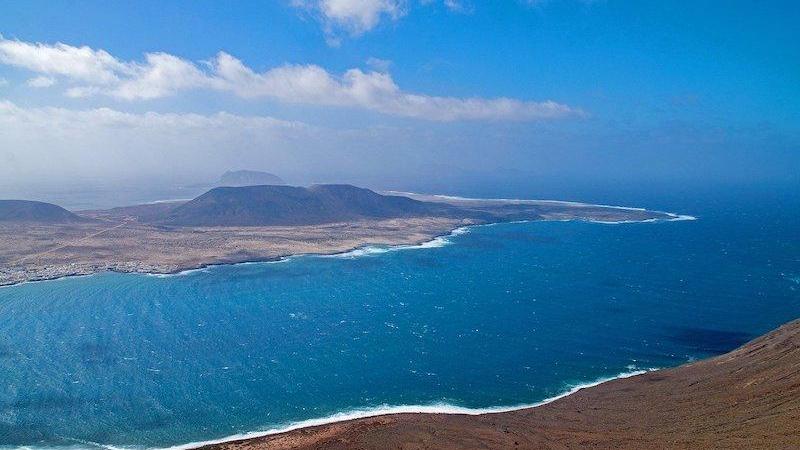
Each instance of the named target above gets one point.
<point>291,205</point>
<point>28,211</point>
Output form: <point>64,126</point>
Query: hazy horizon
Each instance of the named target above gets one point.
<point>400,94</point>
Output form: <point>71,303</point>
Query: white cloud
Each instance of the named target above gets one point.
<point>354,17</point>
<point>79,63</point>
<point>41,82</point>
<point>64,119</point>
<point>359,16</point>
<point>59,142</point>
<point>340,18</point>
<point>96,72</point>
<point>49,145</point>
<point>161,75</point>
<point>379,65</point>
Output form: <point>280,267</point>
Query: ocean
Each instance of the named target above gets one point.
<point>491,317</point>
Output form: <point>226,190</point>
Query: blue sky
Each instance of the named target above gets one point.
<point>394,90</point>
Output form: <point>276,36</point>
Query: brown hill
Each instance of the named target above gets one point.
<point>28,211</point>
<point>292,205</point>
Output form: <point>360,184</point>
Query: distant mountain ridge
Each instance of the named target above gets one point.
<point>24,211</point>
<point>292,205</point>
<point>238,178</point>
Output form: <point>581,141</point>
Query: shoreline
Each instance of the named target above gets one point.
<point>389,410</point>
<point>362,250</point>
<point>692,394</point>
<point>748,397</point>
<point>181,271</point>
<point>360,413</point>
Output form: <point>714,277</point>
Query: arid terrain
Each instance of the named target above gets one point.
<point>37,252</point>
<point>138,239</point>
<point>746,399</point>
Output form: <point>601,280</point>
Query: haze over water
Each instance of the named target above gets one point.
<point>501,315</point>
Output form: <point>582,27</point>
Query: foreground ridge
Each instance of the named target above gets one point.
<point>748,398</point>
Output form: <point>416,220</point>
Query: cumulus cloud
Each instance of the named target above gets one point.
<point>41,82</point>
<point>79,63</point>
<point>96,72</point>
<point>359,16</point>
<point>354,17</point>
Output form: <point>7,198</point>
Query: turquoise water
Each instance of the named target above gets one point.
<point>500,315</point>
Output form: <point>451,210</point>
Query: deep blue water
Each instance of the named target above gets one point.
<point>504,315</point>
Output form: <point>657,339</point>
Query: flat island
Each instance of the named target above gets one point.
<point>40,241</point>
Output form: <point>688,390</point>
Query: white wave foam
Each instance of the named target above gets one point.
<point>618,222</point>
<point>361,413</point>
<point>436,408</point>
<point>673,217</point>
<point>78,445</point>
<point>680,217</point>
<point>48,280</point>
<point>168,200</point>
<point>209,267</point>
<point>370,250</point>
<point>182,273</point>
